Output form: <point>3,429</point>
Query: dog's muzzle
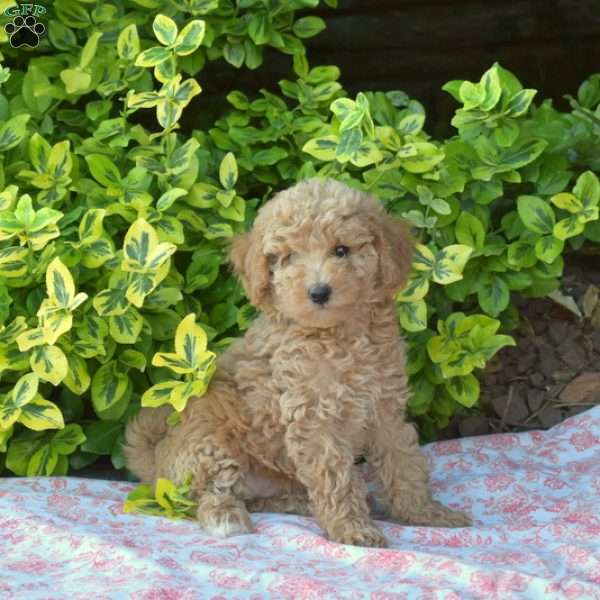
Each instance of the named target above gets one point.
<point>319,293</point>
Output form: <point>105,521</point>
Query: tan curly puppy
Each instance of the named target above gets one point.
<point>317,380</point>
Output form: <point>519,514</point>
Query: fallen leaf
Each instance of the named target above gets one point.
<point>590,300</point>
<point>565,301</point>
<point>583,389</point>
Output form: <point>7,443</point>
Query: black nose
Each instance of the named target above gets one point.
<point>319,293</point>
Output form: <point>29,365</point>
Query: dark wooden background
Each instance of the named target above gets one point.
<point>418,45</point>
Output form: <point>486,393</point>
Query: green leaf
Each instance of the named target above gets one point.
<point>471,94</point>
<point>536,214</point>
<point>101,437</point>
<point>234,54</point>
<point>307,27</point>
<point>491,88</point>
<point>548,248</point>
<point>42,462</point>
<point>68,439</point>
<point>109,386</point>
<point>469,230</point>
<point>104,170</point>
<point>89,50</point>
<point>493,295</point>
<point>521,254</point>
<point>519,103</point>
<point>259,29</point>
<point>587,189</point>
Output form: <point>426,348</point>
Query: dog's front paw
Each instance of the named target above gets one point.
<point>455,518</point>
<point>361,535</point>
<point>224,522</point>
<point>438,515</point>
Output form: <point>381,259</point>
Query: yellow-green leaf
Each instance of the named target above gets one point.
<point>75,80</point>
<point>9,413</point>
<point>172,361</point>
<point>31,338</point>
<point>77,379</point>
<point>228,171</point>
<point>25,390</point>
<point>111,302</point>
<point>416,288</point>
<point>164,29</point>
<point>569,227</point>
<point>90,227</point>
<point>190,37</point>
<point>190,341</point>
<point>13,263</point>
<point>109,386</point>
<point>413,315</point>
<point>450,262</point>
<point>59,283</point>
<point>49,363</point>
<point>89,50</point>
<point>323,148</point>
<point>126,328</point>
<point>152,56</point>
<point>424,259</point>
<point>41,414</point>
<point>128,43</point>
<point>140,241</point>
<point>567,202</point>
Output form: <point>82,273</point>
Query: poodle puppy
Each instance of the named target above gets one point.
<point>317,380</point>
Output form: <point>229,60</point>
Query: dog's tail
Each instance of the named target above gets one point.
<point>142,434</point>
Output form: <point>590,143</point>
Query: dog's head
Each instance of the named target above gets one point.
<point>320,251</point>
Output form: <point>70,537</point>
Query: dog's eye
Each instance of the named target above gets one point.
<point>285,259</point>
<point>341,251</point>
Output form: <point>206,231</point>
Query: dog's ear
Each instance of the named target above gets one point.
<point>395,252</point>
<point>251,266</point>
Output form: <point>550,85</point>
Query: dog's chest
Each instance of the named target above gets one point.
<point>339,382</point>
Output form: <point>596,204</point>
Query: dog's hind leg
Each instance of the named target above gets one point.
<point>296,504</point>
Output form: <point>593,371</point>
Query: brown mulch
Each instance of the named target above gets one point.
<point>554,370</point>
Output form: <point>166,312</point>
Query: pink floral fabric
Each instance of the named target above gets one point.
<point>534,498</point>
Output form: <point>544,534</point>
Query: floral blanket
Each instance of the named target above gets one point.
<point>535,499</point>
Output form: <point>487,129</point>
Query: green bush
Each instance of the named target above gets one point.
<point>115,220</point>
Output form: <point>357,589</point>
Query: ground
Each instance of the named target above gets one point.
<point>554,370</point>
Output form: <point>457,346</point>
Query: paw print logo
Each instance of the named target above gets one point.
<point>25,31</point>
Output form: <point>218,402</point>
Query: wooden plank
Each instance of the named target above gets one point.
<point>473,25</point>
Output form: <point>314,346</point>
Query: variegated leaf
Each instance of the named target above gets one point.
<point>41,414</point>
<point>49,363</point>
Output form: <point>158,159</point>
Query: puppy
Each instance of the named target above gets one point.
<point>318,379</point>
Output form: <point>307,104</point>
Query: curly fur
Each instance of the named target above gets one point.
<point>309,387</point>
